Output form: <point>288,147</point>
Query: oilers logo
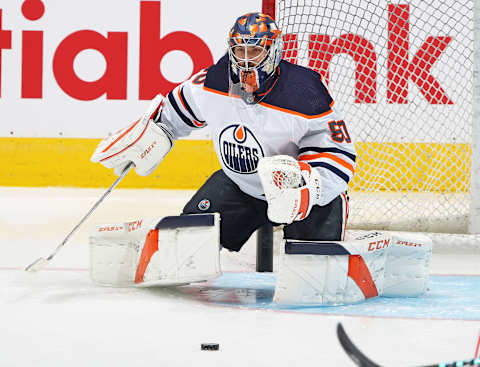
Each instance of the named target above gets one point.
<point>204,204</point>
<point>240,149</point>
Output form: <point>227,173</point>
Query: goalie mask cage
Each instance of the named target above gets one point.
<point>403,74</point>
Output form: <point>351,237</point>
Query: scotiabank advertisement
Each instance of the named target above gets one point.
<point>87,68</point>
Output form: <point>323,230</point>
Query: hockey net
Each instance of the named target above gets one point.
<point>402,74</point>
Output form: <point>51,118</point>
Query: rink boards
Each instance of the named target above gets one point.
<point>65,162</point>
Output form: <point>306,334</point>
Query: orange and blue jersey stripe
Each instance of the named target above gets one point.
<point>195,122</point>
<point>321,157</point>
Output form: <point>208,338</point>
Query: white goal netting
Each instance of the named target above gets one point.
<point>402,73</point>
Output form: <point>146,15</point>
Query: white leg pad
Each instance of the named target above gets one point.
<point>114,251</point>
<point>169,251</point>
<point>406,270</point>
<point>344,272</point>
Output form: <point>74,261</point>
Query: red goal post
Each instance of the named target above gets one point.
<point>404,75</point>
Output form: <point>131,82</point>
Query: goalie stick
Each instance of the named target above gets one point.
<point>362,360</point>
<point>40,263</point>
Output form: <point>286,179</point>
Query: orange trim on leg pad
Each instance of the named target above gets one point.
<point>358,271</point>
<point>149,248</point>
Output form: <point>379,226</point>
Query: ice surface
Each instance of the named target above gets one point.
<point>59,318</point>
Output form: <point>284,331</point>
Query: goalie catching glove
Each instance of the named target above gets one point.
<point>144,143</point>
<point>291,188</point>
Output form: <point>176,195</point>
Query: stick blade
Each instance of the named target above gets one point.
<point>353,352</point>
<point>37,265</point>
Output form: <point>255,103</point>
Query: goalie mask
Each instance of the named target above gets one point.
<point>255,49</point>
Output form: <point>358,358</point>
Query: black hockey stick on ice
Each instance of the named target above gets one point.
<point>362,360</point>
<point>40,263</point>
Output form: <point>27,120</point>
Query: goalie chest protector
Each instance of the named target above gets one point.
<point>297,105</point>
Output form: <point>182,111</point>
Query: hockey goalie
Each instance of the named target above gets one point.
<point>286,157</point>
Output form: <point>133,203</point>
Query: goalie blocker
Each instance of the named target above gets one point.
<point>334,273</point>
<point>167,251</point>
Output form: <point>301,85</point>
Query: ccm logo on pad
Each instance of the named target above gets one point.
<point>378,245</point>
<point>133,226</point>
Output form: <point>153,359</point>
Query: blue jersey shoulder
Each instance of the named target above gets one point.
<point>298,89</point>
<point>301,90</point>
<point>217,76</point>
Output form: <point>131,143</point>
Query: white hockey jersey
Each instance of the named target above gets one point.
<point>297,117</point>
